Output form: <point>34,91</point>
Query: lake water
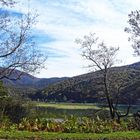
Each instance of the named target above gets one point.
<point>52,112</point>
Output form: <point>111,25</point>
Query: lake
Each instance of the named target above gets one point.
<point>61,110</point>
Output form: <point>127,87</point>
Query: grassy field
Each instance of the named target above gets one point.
<point>68,105</point>
<point>47,136</point>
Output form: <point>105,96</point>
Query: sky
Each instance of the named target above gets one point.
<point>60,22</point>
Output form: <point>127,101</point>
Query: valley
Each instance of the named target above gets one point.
<point>69,70</point>
<point>82,88</point>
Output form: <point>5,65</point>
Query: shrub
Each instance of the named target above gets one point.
<point>9,107</point>
<point>15,110</point>
<point>73,124</point>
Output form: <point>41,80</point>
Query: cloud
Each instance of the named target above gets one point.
<point>60,22</point>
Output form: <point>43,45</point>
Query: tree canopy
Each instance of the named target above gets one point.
<point>134,30</point>
<point>17,47</point>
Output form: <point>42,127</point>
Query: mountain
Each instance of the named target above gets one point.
<point>86,88</point>
<point>28,84</point>
<point>27,80</point>
<point>134,66</point>
<point>82,88</point>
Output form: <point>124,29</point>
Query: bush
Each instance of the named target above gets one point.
<point>11,108</point>
<point>16,111</point>
<point>135,122</point>
<point>72,125</point>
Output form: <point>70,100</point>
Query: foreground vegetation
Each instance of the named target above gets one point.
<point>133,135</point>
<point>28,120</point>
<point>73,127</point>
<point>34,126</point>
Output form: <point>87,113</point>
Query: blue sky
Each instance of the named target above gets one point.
<point>60,22</point>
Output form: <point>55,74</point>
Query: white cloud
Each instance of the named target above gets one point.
<point>66,20</point>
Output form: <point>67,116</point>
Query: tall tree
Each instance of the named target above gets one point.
<point>17,48</point>
<point>102,58</point>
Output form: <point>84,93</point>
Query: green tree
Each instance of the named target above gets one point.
<point>12,108</point>
<point>4,99</point>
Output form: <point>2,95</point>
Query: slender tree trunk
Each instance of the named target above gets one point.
<point>107,95</point>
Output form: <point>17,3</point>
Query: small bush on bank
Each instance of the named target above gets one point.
<point>16,111</point>
<point>11,109</point>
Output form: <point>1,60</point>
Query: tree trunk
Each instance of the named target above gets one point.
<point>112,114</point>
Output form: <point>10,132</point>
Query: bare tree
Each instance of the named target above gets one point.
<point>17,48</point>
<point>102,58</point>
<point>134,30</point>
<point>114,81</point>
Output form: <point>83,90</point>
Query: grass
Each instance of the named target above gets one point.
<point>68,105</point>
<point>134,135</point>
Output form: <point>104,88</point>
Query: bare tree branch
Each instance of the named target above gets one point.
<point>102,58</point>
<point>17,49</point>
<point>134,30</point>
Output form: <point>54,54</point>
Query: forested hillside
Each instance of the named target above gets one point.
<point>88,87</point>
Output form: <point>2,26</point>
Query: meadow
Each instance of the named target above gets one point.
<point>25,135</point>
<point>68,105</point>
<point>70,121</point>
